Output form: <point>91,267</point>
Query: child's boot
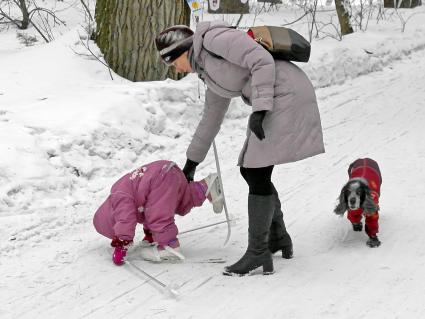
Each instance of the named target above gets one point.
<point>157,253</point>
<point>373,242</point>
<point>214,192</point>
<point>148,239</point>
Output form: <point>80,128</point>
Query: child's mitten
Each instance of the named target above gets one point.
<point>120,250</point>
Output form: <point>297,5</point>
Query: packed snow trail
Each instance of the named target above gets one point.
<point>333,274</point>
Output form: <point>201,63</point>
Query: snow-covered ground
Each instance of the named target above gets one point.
<point>67,132</point>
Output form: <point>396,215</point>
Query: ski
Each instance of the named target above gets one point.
<point>209,261</point>
<point>229,228</point>
<point>205,226</point>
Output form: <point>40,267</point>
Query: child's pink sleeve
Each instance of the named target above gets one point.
<point>125,215</point>
<point>193,195</point>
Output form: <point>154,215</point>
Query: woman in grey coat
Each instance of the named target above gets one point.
<point>284,125</point>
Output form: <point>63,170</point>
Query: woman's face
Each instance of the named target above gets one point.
<point>182,64</point>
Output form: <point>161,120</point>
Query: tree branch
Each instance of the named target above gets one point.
<point>7,17</point>
<point>95,56</point>
<point>49,12</point>
<point>39,31</point>
<point>87,9</point>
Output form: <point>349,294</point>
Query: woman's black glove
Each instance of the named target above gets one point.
<point>256,123</point>
<point>189,169</point>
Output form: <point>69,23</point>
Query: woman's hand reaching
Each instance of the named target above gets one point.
<point>189,169</point>
<point>256,123</point>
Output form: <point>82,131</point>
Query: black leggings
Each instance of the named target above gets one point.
<point>259,180</point>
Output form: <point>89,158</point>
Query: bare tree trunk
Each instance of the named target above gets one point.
<point>25,15</point>
<point>126,30</point>
<point>343,17</point>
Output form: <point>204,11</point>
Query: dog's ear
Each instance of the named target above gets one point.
<point>341,208</point>
<point>369,206</point>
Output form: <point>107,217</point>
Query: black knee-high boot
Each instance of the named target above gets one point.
<point>260,212</point>
<point>279,238</point>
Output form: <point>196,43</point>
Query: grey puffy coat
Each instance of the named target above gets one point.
<point>292,124</point>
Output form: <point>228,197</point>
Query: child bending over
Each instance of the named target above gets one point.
<point>151,195</point>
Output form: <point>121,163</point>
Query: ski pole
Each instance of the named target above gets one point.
<point>217,164</point>
<point>172,292</point>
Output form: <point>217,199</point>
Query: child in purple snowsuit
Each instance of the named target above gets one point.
<point>151,195</point>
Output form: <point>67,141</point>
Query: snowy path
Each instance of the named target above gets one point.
<point>333,274</point>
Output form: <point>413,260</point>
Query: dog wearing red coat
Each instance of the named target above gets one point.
<point>360,198</point>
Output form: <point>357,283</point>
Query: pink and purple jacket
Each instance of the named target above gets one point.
<point>151,195</point>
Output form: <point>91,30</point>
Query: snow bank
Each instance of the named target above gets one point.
<point>362,53</point>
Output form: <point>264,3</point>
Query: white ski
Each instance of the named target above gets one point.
<point>217,164</point>
<point>209,261</point>
<point>206,226</point>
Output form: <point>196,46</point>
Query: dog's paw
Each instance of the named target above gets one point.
<point>358,227</point>
<point>373,242</point>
